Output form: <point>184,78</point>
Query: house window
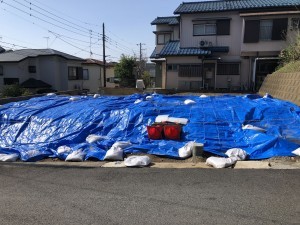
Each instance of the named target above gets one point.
<point>1,70</point>
<point>32,69</point>
<point>265,30</point>
<point>172,67</point>
<point>163,38</point>
<point>86,74</point>
<point>295,24</point>
<point>205,29</point>
<point>10,81</point>
<point>228,69</point>
<point>190,71</point>
<point>113,80</point>
<point>75,73</point>
<point>256,30</point>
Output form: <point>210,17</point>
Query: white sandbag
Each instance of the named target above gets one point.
<point>76,156</point>
<point>93,138</point>
<point>32,153</point>
<point>138,101</point>
<point>251,127</point>
<point>203,96</point>
<point>239,153</point>
<point>96,96</point>
<point>121,144</point>
<point>149,97</point>
<point>63,149</point>
<point>114,153</point>
<point>217,162</point>
<point>178,120</point>
<point>186,150</point>
<point>137,161</point>
<point>161,118</point>
<point>296,152</point>
<point>189,101</point>
<point>9,157</point>
<point>74,99</point>
<point>51,94</point>
<point>267,95</point>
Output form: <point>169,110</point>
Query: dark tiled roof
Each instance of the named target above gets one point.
<point>232,5</point>
<point>172,48</point>
<point>154,54</point>
<point>171,20</point>
<point>19,55</point>
<point>33,83</point>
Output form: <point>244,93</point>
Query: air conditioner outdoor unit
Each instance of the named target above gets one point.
<point>204,43</point>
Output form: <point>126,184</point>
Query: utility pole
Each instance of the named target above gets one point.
<point>140,66</point>
<point>47,41</point>
<point>104,60</point>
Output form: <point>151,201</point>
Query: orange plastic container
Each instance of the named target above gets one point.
<point>172,132</point>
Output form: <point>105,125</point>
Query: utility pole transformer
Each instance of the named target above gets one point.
<point>104,60</point>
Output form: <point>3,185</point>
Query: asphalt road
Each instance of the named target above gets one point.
<point>46,195</point>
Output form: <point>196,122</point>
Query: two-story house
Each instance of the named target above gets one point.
<point>39,69</point>
<point>230,44</point>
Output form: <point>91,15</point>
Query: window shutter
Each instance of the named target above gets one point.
<point>279,29</point>
<point>223,27</point>
<point>251,34</point>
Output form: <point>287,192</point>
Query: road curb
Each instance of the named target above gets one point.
<point>158,165</point>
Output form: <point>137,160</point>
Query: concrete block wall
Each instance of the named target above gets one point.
<point>285,86</point>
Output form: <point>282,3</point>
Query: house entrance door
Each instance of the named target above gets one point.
<point>209,76</point>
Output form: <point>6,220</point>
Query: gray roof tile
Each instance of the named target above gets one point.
<point>170,20</point>
<point>233,5</point>
<point>19,55</point>
<point>172,48</point>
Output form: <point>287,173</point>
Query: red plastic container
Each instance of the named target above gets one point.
<point>155,132</point>
<point>172,132</point>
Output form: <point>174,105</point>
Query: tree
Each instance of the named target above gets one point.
<point>291,53</point>
<point>13,90</point>
<point>146,78</point>
<point>125,70</point>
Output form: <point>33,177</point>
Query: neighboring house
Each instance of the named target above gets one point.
<point>96,74</point>
<point>40,69</point>
<point>230,44</point>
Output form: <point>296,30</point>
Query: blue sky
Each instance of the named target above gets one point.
<point>72,25</point>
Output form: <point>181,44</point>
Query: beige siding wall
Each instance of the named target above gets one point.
<point>110,72</point>
<point>173,79</point>
<point>188,40</point>
<point>266,47</point>
<point>93,83</point>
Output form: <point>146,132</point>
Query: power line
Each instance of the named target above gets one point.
<point>31,15</point>
<point>56,15</point>
<point>48,17</point>
<point>54,33</point>
<point>73,18</point>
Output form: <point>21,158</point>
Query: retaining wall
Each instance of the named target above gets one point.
<point>285,86</point>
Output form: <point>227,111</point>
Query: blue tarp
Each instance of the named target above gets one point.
<point>37,127</point>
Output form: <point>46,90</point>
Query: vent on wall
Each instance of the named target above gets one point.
<point>204,43</point>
